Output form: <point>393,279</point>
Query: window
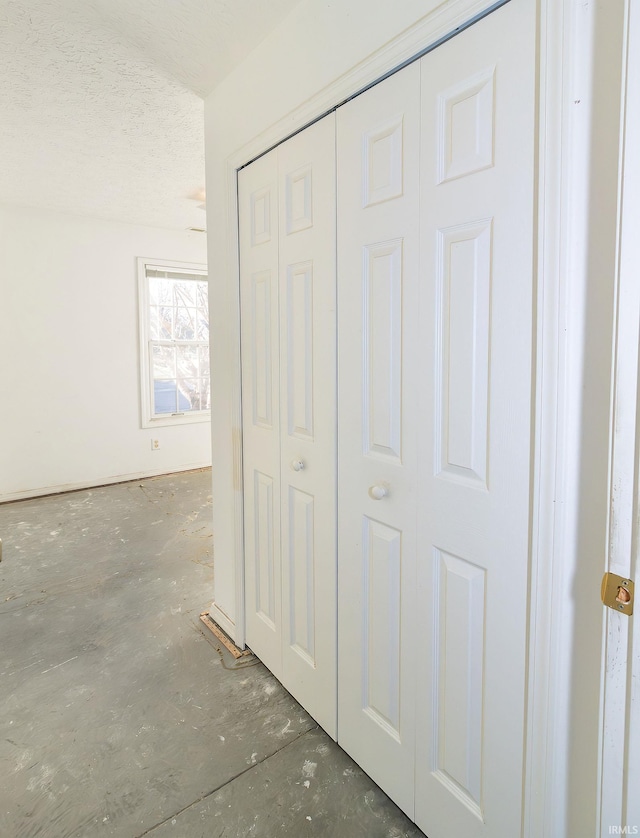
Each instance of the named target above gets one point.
<point>174,337</point>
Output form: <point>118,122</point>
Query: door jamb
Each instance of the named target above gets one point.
<point>618,741</point>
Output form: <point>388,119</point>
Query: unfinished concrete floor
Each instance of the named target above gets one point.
<point>120,714</point>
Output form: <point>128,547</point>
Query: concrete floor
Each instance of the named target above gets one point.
<point>120,714</point>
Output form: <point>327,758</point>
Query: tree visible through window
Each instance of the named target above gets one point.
<point>176,348</point>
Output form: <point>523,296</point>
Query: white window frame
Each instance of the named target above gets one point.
<point>147,418</point>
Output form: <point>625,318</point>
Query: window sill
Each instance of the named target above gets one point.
<point>177,419</point>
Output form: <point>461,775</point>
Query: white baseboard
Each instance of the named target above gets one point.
<point>96,483</point>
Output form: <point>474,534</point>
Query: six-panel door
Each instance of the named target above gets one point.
<point>435,320</point>
<point>434,426</point>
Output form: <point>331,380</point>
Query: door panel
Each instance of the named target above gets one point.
<point>382,573</point>
<point>299,350</point>
<point>259,296</point>
<point>475,438</point>
<point>382,353</point>
<point>308,418</point>
<point>459,596</point>
<point>261,348</point>
<point>264,534</point>
<point>378,148</point>
<point>463,289</point>
<point>301,604</point>
<point>287,208</point>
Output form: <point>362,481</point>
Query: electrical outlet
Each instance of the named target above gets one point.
<point>155,444</point>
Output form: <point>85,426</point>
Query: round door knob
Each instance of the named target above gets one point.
<point>297,465</point>
<point>378,492</point>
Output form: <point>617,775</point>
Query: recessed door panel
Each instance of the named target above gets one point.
<point>463,289</point>
<point>264,529</point>
<point>299,199</point>
<point>261,348</point>
<point>383,162</point>
<point>465,125</point>
<point>301,562</point>
<point>382,347</point>
<point>381,575</point>
<point>458,686</point>
<point>261,213</point>
<point>300,349</point>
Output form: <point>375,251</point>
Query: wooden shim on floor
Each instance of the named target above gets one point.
<point>224,638</point>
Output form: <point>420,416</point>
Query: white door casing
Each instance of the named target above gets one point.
<point>620,735</point>
<point>287,259</point>
<point>378,218</point>
<point>475,441</point>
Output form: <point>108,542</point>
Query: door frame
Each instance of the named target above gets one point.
<point>565,131</point>
<point>620,749</point>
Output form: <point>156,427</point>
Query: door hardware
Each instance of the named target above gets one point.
<point>617,593</point>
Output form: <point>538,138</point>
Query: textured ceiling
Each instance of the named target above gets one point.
<point>100,101</point>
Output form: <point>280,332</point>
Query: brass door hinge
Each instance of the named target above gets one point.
<point>617,593</point>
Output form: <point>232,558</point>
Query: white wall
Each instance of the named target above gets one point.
<point>70,403</point>
<point>315,45</point>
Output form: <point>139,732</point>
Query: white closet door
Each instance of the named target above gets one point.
<point>308,418</point>
<point>287,208</point>
<point>478,129</point>
<point>259,299</point>
<point>378,214</point>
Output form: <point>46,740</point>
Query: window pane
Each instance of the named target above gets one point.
<point>202,294</point>
<point>164,362</point>
<point>187,361</point>
<point>189,394</point>
<point>165,396</point>
<point>160,292</point>
<point>205,390</point>
<point>203,324</point>
<point>165,322</point>
<point>184,327</point>
<point>184,293</point>
<point>154,323</point>
<point>204,360</point>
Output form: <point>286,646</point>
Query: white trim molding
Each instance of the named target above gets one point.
<point>619,769</point>
<point>45,491</point>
